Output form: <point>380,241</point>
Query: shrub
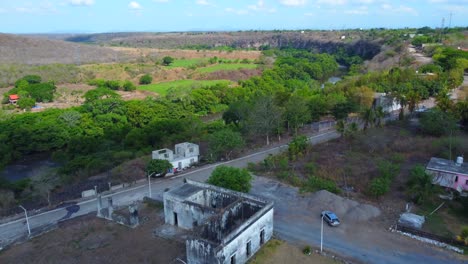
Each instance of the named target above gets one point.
<point>146,79</point>
<point>129,86</point>
<point>167,60</point>
<point>316,183</point>
<point>420,184</point>
<point>307,250</point>
<point>437,123</point>
<point>379,186</point>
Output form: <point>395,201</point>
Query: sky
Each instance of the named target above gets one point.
<point>96,16</point>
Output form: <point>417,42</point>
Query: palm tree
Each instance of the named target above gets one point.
<point>368,115</point>
<point>379,115</point>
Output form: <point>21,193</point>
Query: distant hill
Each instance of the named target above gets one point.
<point>15,49</point>
<point>321,41</point>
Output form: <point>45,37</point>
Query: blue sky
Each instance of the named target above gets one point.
<point>90,16</point>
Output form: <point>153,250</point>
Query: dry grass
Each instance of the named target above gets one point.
<point>91,240</point>
<point>279,252</point>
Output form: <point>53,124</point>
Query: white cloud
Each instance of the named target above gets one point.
<point>362,10</point>
<point>309,14</point>
<point>236,11</point>
<point>134,5</point>
<point>260,6</point>
<point>202,2</point>
<point>161,1</point>
<point>332,2</point>
<point>293,2</point>
<point>400,9</point>
<point>81,2</point>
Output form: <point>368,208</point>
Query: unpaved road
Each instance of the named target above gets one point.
<point>297,220</point>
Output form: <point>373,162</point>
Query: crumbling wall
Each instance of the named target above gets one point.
<point>252,232</point>
<point>201,251</point>
<point>188,214</point>
<point>216,228</point>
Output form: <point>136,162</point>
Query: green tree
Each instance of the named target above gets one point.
<point>224,142</point>
<point>158,167</point>
<point>231,178</point>
<point>420,184</point>
<point>297,147</point>
<point>146,79</point>
<point>99,93</point>
<point>167,60</point>
<point>296,112</point>
<point>26,103</point>
<point>263,118</point>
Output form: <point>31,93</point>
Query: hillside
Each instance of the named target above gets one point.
<point>323,41</point>
<point>16,49</point>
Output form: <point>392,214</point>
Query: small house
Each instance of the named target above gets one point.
<point>185,155</point>
<point>450,174</point>
<point>13,98</point>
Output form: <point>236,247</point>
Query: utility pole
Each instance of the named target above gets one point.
<point>149,184</point>
<point>27,220</point>
<point>450,20</point>
<point>442,30</point>
<point>321,235</point>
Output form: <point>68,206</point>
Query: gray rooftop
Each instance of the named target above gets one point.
<point>447,165</point>
<point>185,191</point>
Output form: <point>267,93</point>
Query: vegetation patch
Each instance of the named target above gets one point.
<point>226,67</point>
<point>163,88</point>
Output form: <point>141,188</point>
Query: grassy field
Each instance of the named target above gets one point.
<point>227,67</point>
<point>162,88</point>
<point>187,63</point>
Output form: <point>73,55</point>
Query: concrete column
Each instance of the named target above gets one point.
<point>133,210</point>
<point>99,206</point>
<point>110,208</point>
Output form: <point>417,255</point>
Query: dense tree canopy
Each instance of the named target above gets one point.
<point>231,178</point>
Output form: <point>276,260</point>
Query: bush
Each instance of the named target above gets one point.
<point>307,250</point>
<point>437,123</point>
<point>379,186</point>
<point>129,86</point>
<point>315,183</point>
<point>167,60</point>
<point>146,79</point>
<point>420,184</point>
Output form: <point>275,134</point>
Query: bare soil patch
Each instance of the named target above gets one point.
<point>91,240</point>
<point>189,54</point>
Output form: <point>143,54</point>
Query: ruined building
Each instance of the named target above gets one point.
<point>227,226</point>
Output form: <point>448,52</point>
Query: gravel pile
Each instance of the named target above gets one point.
<point>345,208</point>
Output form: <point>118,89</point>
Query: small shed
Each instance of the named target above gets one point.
<point>13,98</point>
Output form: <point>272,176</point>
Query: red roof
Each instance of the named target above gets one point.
<point>14,97</point>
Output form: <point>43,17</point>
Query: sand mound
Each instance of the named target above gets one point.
<point>345,208</point>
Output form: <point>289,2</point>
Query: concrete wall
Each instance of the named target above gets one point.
<point>200,251</point>
<point>188,214</point>
<point>187,149</point>
<point>163,154</point>
<point>184,162</point>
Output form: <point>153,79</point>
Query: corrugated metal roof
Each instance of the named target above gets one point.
<point>447,166</point>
